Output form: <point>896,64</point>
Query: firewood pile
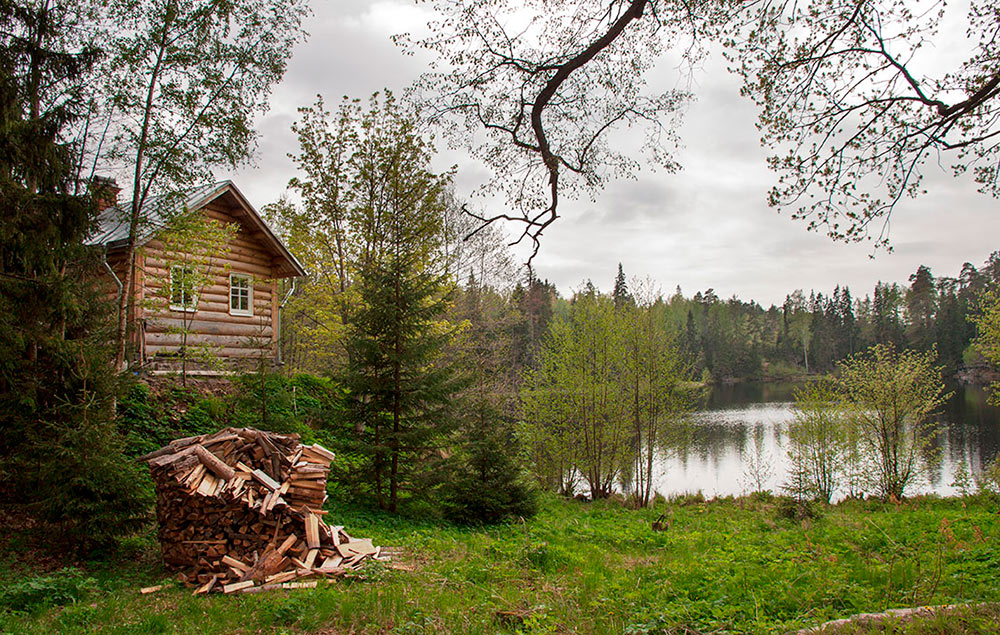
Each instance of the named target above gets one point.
<point>240,510</point>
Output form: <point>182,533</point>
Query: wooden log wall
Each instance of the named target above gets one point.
<point>232,336</point>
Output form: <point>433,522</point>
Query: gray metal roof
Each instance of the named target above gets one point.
<point>158,211</point>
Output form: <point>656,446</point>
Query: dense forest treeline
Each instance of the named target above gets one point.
<point>740,340</point>
<point>811,333</point>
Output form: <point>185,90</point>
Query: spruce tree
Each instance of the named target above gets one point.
<point>60,453</point>
<point>621,294</point>
<point>401,388</point>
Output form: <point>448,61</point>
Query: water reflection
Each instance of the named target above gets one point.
<point>738,440</point>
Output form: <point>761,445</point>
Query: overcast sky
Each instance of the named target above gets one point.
<point>705,226</point>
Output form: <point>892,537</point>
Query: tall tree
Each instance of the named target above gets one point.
<point>987,320</point>
<point>401,388</point>
<point>547,129</point>
<point>655,375</point>
<point>799,321</point>
<point>185,80</point>
<point>318,231</point>
<point>579,385</point>
<point>60,452</point>
<point>621,294</point>
<point>921,303</point>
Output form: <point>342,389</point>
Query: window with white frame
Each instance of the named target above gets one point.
<point>182,293</point>
<point>240,294</point>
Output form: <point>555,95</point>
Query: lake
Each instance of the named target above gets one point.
<point>744,421</point>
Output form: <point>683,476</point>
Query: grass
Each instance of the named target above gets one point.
<point>732,565</point>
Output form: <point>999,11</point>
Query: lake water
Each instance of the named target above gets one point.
<point>744,421</point>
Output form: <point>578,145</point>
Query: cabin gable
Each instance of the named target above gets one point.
<point>235,315</point>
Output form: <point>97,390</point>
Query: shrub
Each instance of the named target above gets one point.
<point>486,484</point>
<point>62,587</point>
<point>90,491</point>
<point>818,442</point>
<point>792,508</point>
<point>687,498</point>
<point>892,396</point>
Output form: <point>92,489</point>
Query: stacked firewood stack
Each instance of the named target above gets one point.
<point>241,510</point>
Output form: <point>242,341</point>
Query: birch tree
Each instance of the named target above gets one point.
<point>893,395</point>
<point>191,248</point>
<point>185,80</point>
<point>656,372</point>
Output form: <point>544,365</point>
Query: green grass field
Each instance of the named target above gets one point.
<point>724,566</point>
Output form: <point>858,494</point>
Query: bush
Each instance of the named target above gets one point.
<point>486,484</point>
<point>89,490</point>
<point>62,587</point>
<point>687,498</point>
<point>791,508</point>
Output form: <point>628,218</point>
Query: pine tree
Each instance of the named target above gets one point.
<point>486,482</point>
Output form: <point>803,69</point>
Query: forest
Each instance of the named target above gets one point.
<point>502,433</point>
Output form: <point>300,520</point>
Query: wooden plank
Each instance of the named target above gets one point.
<point>287,544</point>
<point>236,586</point>
<point>205,588</point>
<point>146,590</point>
<point>201,339</point>
<point>224,352</point>
<point>312,531</point>
<point>207,485</point>
<point>311,558</point>
<point>330,563</point>
<point>236,564</point>
<point>354,548</point>
<point>278,578</point>
<point>267,500</point>
<point>218,266</point>
<point>265,480</point>
<point>195,476</point>
<point>320,450</point>
<point>314,485</point>
<point>212,324</point>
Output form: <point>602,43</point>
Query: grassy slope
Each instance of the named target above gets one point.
<point>590,568</point>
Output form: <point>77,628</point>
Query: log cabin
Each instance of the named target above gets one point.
<point>235,311</point>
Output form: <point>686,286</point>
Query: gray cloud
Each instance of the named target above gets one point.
<point>705,226</point>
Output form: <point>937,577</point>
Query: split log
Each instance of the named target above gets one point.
<point>222,511</point>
